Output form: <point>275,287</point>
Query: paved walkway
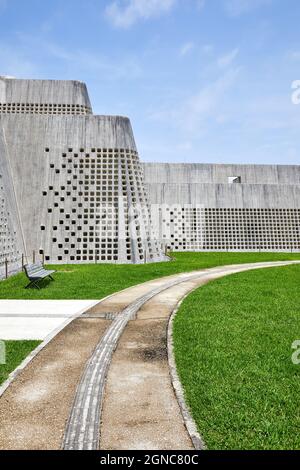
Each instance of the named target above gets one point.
<point>140,411</point>
<point>64,384</point>
<point>36,319</point>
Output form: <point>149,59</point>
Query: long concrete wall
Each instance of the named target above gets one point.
<point>239,196</point>
<point>202,211</point>
<point>187,173</point>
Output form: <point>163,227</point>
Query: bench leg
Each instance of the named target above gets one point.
<point>32,283</point>
<point>51,278</point>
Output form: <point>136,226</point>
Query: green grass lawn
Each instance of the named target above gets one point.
<point>16,351</point>
<point>94,281</point>
<point>232,342</point>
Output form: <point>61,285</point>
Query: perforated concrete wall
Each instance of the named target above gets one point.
<point>96,207</point>
<point>77,178</point>
<point>43,108</point>
<point>11,243</point>
<point>8,241</point>
<point>43,97</point>
<point>201,229</point>
<point>259,212</point>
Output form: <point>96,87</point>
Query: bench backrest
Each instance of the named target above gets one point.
<point>32,270</point>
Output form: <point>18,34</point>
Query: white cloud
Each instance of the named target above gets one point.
<point>16,63</point>
<point>124,13</point>
<point>240,7</point>
<point>186,48</point>
<point>194,114</point>
<point>206,104</point>
<point>83,60</point>
<point>227,59</point>
<point>28,61</point>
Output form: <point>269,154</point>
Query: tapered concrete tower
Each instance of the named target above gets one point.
<point>72,181</point>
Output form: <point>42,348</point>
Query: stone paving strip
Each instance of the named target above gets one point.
<point>36,319</point>
<point>83,429</point>
<point>56,401</point>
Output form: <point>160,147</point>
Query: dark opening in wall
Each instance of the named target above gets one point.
<point>234,179</point>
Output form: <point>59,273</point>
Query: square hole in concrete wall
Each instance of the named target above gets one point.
<point>234,179</point>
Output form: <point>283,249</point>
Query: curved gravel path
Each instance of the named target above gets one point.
<point>83,429</point>
<point>107,368</point>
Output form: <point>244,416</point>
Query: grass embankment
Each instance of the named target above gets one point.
<point>232,342</point>
<point>16,351</point>
<point>96,281</point>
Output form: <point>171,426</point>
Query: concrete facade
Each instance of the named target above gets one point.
<point>226,207</point>
<point>73,189</point>
<point>76,178</point>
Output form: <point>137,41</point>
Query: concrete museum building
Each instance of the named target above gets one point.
<point>73,189</point>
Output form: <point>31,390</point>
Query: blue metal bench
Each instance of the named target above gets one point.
<point>35,273</point>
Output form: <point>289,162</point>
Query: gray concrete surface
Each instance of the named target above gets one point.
<point>201,211</point>
<point>75,178</point>
<point>35,92</point>
<point>36,319</point>
<point>210,173</point>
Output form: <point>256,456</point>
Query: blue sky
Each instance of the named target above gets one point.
<point>201,80</point>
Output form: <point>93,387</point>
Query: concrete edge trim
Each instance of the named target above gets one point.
<point>14,374</point>
<point>189,422</point>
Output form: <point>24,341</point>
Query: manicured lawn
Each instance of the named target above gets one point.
<point>96,281</point>
<point>233,351</point>
<point>16,351</point>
